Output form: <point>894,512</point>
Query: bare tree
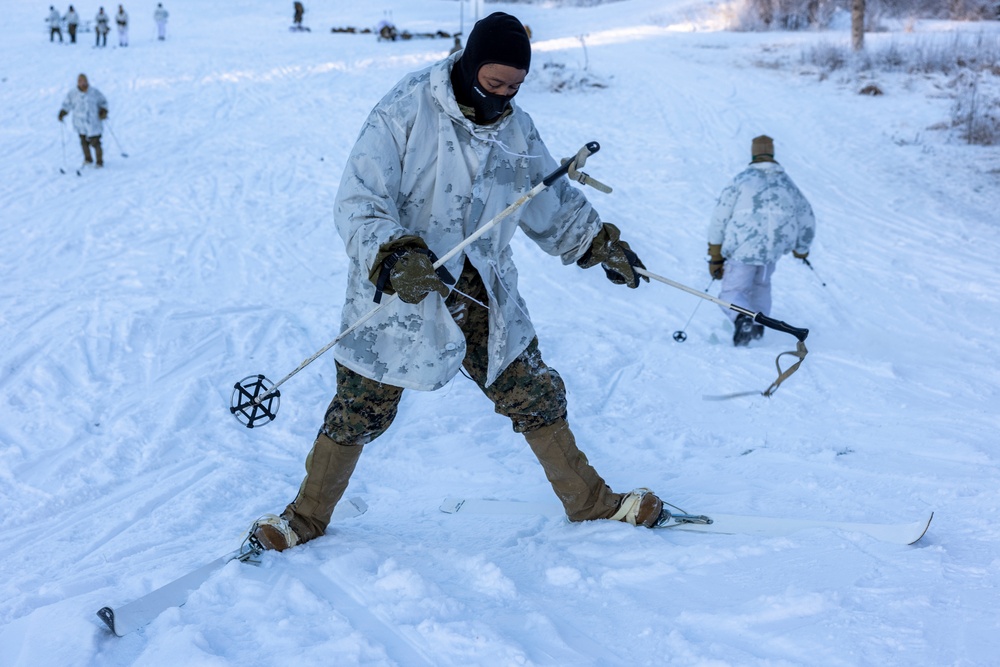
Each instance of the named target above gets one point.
<point>857,24</point>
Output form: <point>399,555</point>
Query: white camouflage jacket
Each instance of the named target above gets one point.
<point>420,167</point>
<point>761,216</point>
<point>85,107</point>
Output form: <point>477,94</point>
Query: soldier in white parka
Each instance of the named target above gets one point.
<point>759,217</point>
<point>160,16</point>
<point>439,156</point>
<point>121,20</point>
<point>55,24</point>
<point>89,108</point>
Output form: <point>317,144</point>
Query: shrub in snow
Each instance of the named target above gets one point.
<point>976,110</point>
<point>754,15</point>
<point>558,78</point>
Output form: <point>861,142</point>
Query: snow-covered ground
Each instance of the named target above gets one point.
<point>132,299</point>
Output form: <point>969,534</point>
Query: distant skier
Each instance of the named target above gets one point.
<point>759,217</point>
<point>55,24</point>
<point>89,108</point>
<point>440,155</point>
<point>121,20</point>
<point>101,28</point>
<point>72,20</point>
<point>160,16</point>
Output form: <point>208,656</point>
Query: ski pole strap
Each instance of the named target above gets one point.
<point>800,352</point>
<point>576,162</point>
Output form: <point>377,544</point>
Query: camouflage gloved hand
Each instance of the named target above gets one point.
<point>800,255</point>
<point>405,266</point>
<point>716,262</point>
<point>615,257</point>
<point>62,114</point>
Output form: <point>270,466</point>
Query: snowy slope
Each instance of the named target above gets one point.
<point>132,299</point>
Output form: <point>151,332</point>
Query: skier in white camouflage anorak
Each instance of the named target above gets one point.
<point>160,16</point>
<point>55,24</point>
<point>759,217</point>
<point>121,20</point>
<point>90,109</point>
<point>442,154</point>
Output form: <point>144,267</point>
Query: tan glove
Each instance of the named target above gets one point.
<point>615,257</point>
<point>800,255</point>
<point>102,113</point>
<point>62,114</point>
<point>716,262</point>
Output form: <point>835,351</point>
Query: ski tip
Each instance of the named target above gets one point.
<point>359,505</point>
<point>107,614</point>
<point>452,505</point>
<point>924,531</point>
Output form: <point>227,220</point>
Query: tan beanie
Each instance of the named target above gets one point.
<point>762,148</point>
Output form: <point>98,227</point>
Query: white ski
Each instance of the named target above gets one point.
<point>732,524</point>
<point>134,615</point>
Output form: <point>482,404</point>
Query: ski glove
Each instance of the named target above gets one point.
<point>406,267</point>
<point>62,114</point>
<point>716,262</point>
<point>102,113</point>
<point>614,256</point>
<point>800,255</point>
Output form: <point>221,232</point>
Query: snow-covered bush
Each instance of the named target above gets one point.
<point>961,51</point>
<point>560,78</point>
<point>976,110</point>
<point>753,15</point>
<point>970,61</point>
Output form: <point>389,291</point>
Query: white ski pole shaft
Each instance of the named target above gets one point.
<point>62,140</point>
<point>584,153</point>
<point>759,318</point>
<point>117,143</point>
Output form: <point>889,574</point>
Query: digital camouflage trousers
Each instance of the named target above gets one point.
<point>528,392</point>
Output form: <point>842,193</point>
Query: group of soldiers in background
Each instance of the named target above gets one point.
<point>102,25</point>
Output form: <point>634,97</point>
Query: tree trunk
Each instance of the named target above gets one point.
<point>857,24</point>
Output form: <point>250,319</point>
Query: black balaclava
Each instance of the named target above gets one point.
<point>499,38</point>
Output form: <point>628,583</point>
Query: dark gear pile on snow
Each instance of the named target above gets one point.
<point>497,39</point>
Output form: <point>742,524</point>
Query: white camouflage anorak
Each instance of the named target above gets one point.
<point>421,168</point>
<point>86,107</point>
<point>761,216</point>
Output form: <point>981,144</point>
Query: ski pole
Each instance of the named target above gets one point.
<point>681,336</point>
<point>254,397</point>
<point>805,261</point>
<point>112,131</point>
<point>758,318</point>
<point>62,140</point>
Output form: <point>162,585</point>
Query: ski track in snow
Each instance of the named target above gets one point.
<point>133,298</point>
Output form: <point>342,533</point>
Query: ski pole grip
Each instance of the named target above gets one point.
<point>591,148</point>
<point>778,325</point>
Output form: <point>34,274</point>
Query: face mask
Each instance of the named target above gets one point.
<point>488,106</point>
